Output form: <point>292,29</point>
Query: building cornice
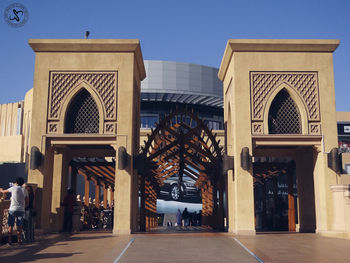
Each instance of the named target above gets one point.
<point>91,45</point>
<point>274,45</point>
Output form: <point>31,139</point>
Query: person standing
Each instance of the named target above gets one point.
<point>68,203</point>
<point>29,216</point>
<point>179,218</point>
<point>19,200</point>
<point>186,217</point>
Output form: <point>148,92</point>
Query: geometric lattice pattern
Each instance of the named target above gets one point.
<point>105,84</point>
<point>284,116</point>
<point>315,128</point>
<point>304,83</point>
<point>82,115</point>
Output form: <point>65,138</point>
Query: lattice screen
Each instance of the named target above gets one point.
<point>83,116</point>
<point>284,116</point>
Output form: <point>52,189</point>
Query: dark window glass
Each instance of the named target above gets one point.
<point>148,122</point>
<point>214,125</point>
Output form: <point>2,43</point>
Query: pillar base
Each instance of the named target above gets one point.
<point>121,232</point>
<point>336,234</point>
<point>306,230</point>
<point>246,232</point>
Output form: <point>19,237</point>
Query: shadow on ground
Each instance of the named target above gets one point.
<point>29,252</point>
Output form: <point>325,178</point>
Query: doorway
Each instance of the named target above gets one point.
<point>275,196</point>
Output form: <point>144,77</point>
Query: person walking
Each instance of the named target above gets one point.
<point>186,218</point>
<point>19,200</point>
<point>179,218</point>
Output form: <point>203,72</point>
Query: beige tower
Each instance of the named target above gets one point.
<point>257,76</point>
<point>105,76</point>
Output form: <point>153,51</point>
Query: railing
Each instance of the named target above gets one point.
<point>84,217</point>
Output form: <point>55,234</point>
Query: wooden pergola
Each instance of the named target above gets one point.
<point>181,144</point>
<point>100,172</point>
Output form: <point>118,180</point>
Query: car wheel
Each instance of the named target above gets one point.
<point>175,192</point>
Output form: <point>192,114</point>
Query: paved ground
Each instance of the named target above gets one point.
<point>296,247</point>
<point>190,247</point>
<point>179,247</point>
<point>82,247</point>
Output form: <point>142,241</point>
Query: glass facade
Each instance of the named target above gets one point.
<point>149,121</point>
<point>152,112</point>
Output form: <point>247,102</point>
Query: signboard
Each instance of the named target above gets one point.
<point>344,129</point>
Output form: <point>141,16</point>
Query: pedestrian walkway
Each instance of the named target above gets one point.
<point>179,247</point>
<point>298,247</point>
<point>182,229</point>
<point>190,247</point>
<point>93,246</point>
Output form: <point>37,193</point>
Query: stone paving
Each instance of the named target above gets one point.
<point>179,247</point>
<point>297,247</point>
<point>81,247</point>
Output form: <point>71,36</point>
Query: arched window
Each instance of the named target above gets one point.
<point>82,115</point>
<point>284,116</point>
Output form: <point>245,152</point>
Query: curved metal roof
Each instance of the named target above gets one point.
<point>168,81</point>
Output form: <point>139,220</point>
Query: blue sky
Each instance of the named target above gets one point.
<point>191,31</point>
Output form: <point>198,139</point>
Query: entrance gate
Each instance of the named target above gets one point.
<point>182,145</point>
<point>85,104</point>
<point>264,83</point>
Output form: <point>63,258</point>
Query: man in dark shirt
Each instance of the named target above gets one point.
<point>68,203</point>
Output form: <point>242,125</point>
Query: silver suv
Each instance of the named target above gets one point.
<point>187,189</point>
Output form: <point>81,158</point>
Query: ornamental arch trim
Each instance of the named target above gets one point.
<point>70,98</point>
<point>65,85</point>
<point>83,114</point>
<point>302,87</point>
<point>299,103</point>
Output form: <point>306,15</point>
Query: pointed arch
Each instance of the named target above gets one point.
<point>71,97</point>
<point>299,104</point>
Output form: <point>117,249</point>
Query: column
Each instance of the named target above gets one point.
<point>111,195</point>
<point>291,208</point>
<point>339,223</point>
<point>105,192</point>
<point>143,205</point>
<point>59,188</point>
<point>221,213</point>
<point>87,191</point>
<point>97,193</point>
<point>243,192</point>
<point>305,186</point>
<point>123,196</point>
<point>73,173</point>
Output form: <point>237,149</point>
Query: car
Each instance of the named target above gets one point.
<point>188,188</point>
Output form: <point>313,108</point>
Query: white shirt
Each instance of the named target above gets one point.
<point>18,195</point>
